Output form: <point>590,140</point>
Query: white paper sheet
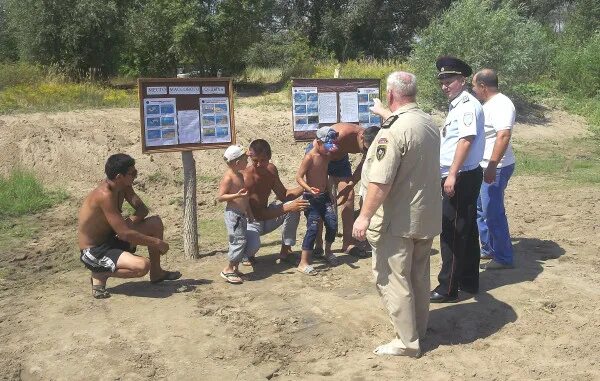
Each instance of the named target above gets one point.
<point>189,126</point>
<point>349,107</point>
<point>328,108</point>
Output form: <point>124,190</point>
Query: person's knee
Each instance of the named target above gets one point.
<point>141,267</point>
<point>156,225</point>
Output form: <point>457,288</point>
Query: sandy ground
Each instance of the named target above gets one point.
<point>540,320</point>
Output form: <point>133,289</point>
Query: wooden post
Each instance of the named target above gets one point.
<point>190,219</point>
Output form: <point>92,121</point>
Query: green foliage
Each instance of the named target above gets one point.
<point>576,66</point>
<point>288,51</point>
<point>483,36</point>
<point>80,36</point>
<point>20,74</point>
<point>21,193</point>
<point>582,169</point>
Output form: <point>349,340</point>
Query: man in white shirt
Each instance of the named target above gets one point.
<point>498,164</point>
<point>461,150</point>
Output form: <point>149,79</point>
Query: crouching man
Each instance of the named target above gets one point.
<point>107,240</point>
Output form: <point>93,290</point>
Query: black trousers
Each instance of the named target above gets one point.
<point>459,241</point>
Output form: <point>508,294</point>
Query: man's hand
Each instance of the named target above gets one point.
<point>314,190</point>
<point>162,247</point>
<point>449,185</point>
<point>297,205</point>
<point>489,175</point>
<point>378,109</point>
<point>359,230</point>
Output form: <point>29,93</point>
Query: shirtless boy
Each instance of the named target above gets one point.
<point>107,240</point>
<point>312,176</point>
<point>237,211</point>
<point>261,178</point>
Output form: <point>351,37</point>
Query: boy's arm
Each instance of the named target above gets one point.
<point>141,210</point>
<point>304,167</point>
<point>224,187</point>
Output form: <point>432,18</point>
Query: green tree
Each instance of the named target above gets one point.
<point>484,36</point>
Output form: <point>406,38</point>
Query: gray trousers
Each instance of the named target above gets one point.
<point>236,223</point>
<point>255,229</point>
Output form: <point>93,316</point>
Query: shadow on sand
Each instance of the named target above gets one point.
<point>467,322</point>
<point>146,289</point>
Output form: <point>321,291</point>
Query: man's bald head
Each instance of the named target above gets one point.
<point>487,77</point>
<point>402,84</point>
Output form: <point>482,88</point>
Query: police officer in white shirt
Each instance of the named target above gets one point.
<point>498,164</point>
<point>461,150</point>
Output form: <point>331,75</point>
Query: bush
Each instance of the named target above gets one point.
<point>21,193</point>
<point>483,36</point>
<point>576,66</point>
<point>20,74</point>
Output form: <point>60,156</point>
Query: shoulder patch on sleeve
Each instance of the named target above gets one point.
<point>382,141</point>
<point>465,99</point>
<point>389,121</point>
<point>381,149</point>
<point>468,118</point>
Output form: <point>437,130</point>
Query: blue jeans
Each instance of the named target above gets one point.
<point>321,208</point>
<point>491,218</point>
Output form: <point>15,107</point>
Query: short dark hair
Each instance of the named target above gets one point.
<point>369,134</point>
<point>260,146</point>
<point>118,163</point>
<point>487,77</point>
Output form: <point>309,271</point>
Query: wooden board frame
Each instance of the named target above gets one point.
<point>336,85</point>
<point>185,102</point>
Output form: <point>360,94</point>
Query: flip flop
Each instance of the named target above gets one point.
<point>232,278</point>
<point>167,275</point>
<point>308,270</point>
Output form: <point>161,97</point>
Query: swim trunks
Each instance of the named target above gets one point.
<point>103,258</point>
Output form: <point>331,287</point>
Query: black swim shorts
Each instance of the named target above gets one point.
<point>103,258</point>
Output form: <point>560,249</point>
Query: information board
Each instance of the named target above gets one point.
<point>323,102</point>
<point>183,114</point>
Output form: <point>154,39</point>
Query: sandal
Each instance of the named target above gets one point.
<point>99,291</point>
<point>232,278</point>
<point>308,270</point>
<point>167,275</point>
<point>250,261</point>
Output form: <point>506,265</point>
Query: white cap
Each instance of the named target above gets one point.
<point>233,152</point>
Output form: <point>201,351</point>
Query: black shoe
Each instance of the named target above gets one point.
<point>439,298</point>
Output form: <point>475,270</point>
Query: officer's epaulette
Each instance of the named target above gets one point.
<point>389,121</point>
<point>465,99</point>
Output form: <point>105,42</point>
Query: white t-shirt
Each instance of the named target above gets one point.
<point>499,115</point>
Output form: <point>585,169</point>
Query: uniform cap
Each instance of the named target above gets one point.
<point>233,152</point>
<point>448,65</point>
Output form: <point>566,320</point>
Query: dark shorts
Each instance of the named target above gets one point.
<point>339,168</point>
<point>103,258</point>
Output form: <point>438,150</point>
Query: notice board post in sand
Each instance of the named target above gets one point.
<point>182,115</point>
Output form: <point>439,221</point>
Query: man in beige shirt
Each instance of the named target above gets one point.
<point>401,213</point>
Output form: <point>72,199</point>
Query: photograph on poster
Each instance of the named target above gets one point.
<point>208,131</point>
<point>220,108</point>
<point>375,120</point>
<point>313,119</point>
<point>300,109</point>
<point>208,120</point>
<point>167,109</point>
<point>208,108</point>
<point>301,120</point>
<point>300,97</point>
<point>363,108</point>
<point>363,98</point>
<point>152,109</point>
<point>372,96</point>
<point>312,108</point>
<point>167,120</point>
<point>168,134</point>
<point>312,97</point>
<point>152,122</point>
<point>153,134</point>
<point>222,119</point>
<point>222,132</point>
<point>363,118</point>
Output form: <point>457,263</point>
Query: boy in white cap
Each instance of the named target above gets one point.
<point>237,211</point>
<point>312,176</point>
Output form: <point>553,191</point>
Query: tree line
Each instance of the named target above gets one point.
<point>155,37</point>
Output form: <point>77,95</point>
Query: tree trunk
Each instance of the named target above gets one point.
<point>190,222</point>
